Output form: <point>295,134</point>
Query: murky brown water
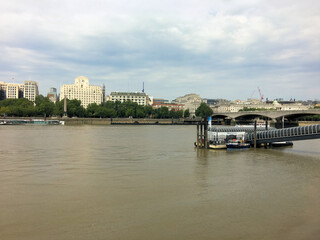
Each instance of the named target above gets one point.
<point>148,182</point>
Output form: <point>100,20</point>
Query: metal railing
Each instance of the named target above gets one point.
<point>238,129</point>
<point>286,134</point>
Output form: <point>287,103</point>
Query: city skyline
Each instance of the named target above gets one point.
<point>217,49</point>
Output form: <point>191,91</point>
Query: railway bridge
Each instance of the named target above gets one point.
<point>268,115</point>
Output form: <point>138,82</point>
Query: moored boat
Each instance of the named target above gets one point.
<point>236,144</point>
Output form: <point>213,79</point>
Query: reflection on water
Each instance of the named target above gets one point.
<point>149,182</point>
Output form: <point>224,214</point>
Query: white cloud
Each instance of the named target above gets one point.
<point>180,43</point>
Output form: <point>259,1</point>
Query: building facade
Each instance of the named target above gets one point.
<point>28,90</point>
<point>190,101</point>
<point>140,98</point>
<point>3,89</point>
<point>159,100</point>
<point>14,90</point>
<point>170,106</point>
<point>81,90</point>
<point>31,90</point>
<point>52,95</point>
<point>238,105</point>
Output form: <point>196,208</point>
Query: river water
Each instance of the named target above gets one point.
<point>149,182</point>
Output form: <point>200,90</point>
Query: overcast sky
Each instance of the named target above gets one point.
<point>215,48</point>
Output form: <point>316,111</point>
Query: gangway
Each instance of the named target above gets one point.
<point>285,134</point>
<point>237,129</point>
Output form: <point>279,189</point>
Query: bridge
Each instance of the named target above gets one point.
<point>272,115</point>
<point>285,134</point>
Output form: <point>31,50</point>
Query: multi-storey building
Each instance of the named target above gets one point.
<point>14,90</point>
<point>28,90</point>
<point>190,101</point>
<point>11,90</point>
<point>52,95</point>
<point>238,105</point>
<point>81,90</point>
<point>137,97</point>
<point>31,90</point>
<point>3,89</point>
<point>160,100</point>
<point>170,106</point>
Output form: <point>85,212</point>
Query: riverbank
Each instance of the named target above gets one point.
<point>134,121</point>
<point>119,121</point>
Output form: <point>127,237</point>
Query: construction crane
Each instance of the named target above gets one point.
<point>261,95</point>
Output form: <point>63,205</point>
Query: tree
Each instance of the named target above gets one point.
<point>204,111</point>
<point>163,112</point>
<point>140,112</point>
<point>186,113</point>
<point>21,107</point>
<point>149,111</point>
<point>179,114</point>
<point>44,106</point>
<point>59,108</point>
<point>92,110</point>
<point>74,108</point>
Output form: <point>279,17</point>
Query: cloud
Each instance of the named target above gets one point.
<point>215,48</point>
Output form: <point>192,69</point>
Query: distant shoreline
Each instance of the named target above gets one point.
<point>132,121</point>
<point>118,121</point>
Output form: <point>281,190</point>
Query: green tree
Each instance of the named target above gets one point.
<point>186,113</point>
<point>92,110</point>
<point>140,112</point>
<point>21,107</point>
<point>130,112</point>
<point>204,111</point>
<point>163,112</point>
<point>44,106</point>
<point>149,111</point>
<point>59,108</point>
<point>179,114</point>
<point>74,108</point>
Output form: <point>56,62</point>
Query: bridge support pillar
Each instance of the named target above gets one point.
<point>233,122</point>
<point>278,123</point>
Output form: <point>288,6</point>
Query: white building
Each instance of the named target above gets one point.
<point>190,101</point>
<point>31,90</point>
<point>28,90</point>
<point>237,105</point>
<point>81,90</point>
<point>136,97</point>
<point>14,90</point>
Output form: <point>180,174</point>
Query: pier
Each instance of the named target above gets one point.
<point>218,137</point>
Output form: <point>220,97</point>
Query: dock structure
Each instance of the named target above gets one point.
<point>217,137</point>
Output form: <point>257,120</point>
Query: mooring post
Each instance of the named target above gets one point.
<point>266,125</point>
<point>197,135</point>
<point>206,133</point>
<point>201,134</point>
<point>255,134</point>
<point>266,144</point>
